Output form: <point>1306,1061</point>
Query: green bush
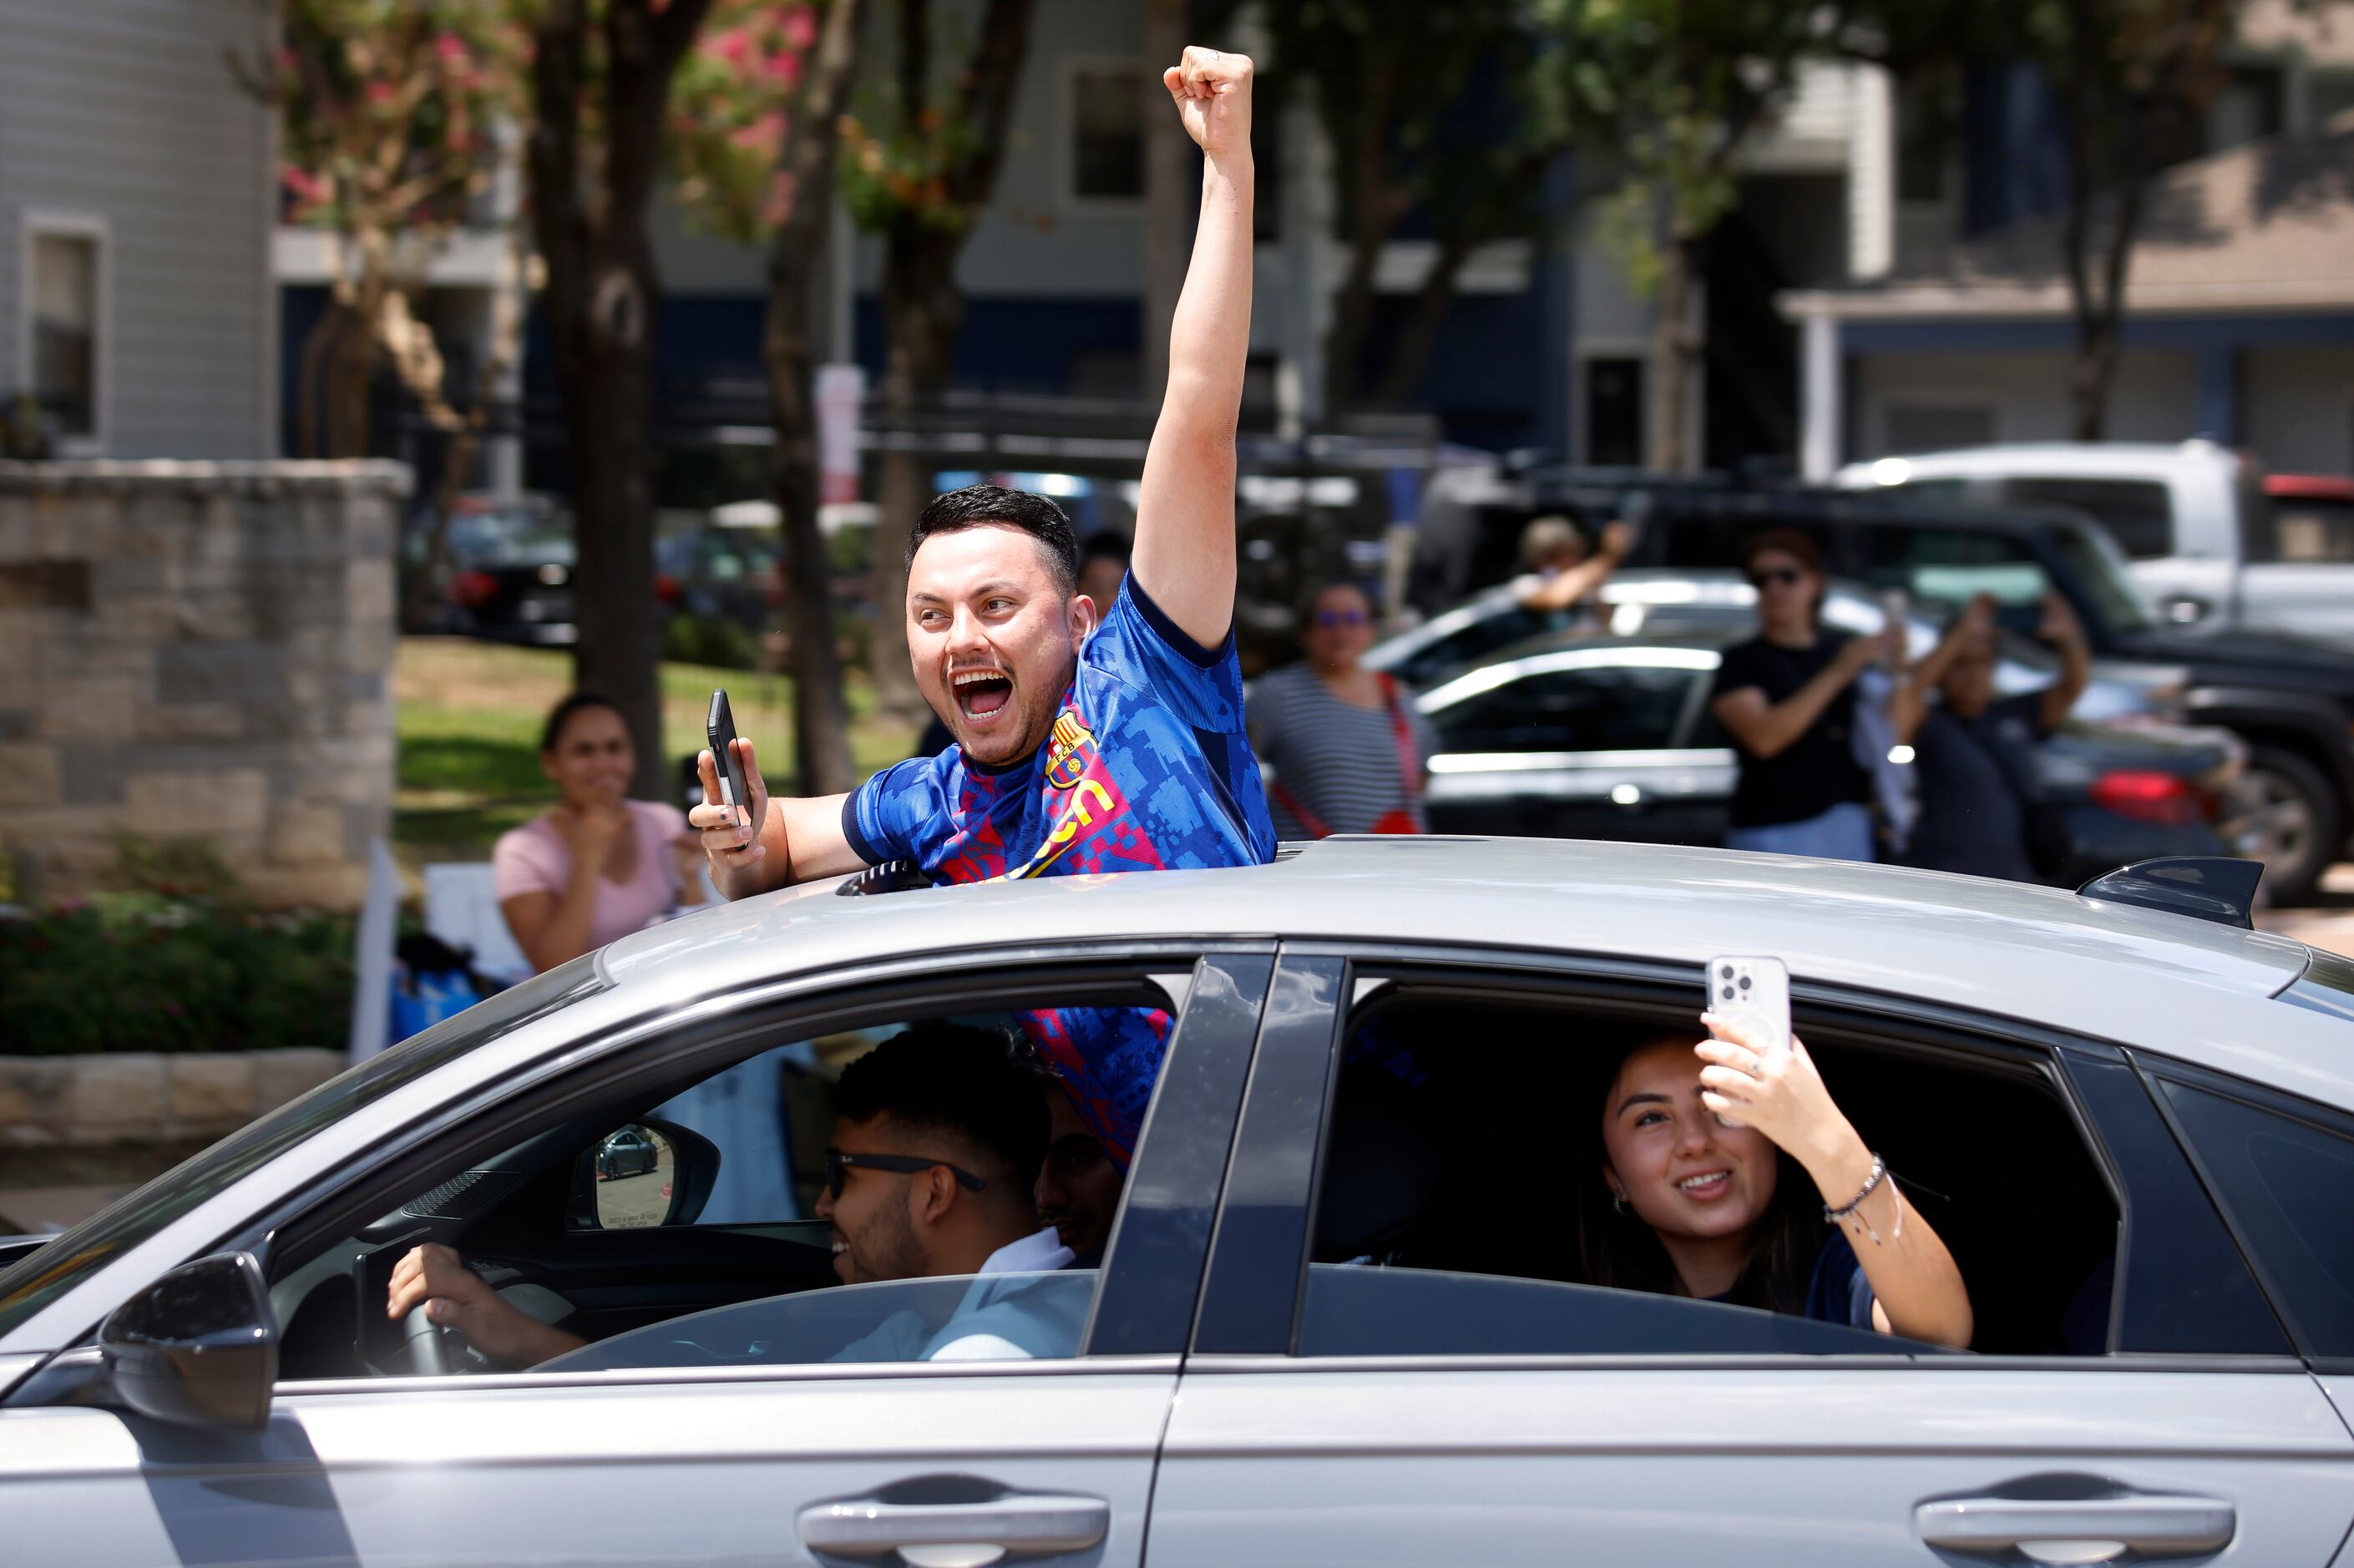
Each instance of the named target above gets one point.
<point>146,971</point>
<point>177,962</point>
<point>711,640</point>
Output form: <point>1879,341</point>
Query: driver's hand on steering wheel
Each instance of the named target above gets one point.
<point>434,1278</point>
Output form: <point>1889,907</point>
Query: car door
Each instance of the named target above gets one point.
<point>1579,743</point>
<point>2298,575</point>
<point>1373,1410</point>
<point>717,1437</point>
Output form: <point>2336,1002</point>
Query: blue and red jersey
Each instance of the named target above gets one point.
<point>1146,768</point>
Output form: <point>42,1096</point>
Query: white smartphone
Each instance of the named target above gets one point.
<point>1754,994</point>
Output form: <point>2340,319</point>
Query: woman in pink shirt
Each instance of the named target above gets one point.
<point>600,866</point>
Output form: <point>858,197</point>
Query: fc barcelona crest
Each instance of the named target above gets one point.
<point>1069,751</point>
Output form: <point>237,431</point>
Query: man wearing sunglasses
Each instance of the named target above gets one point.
<point>939,1135</point>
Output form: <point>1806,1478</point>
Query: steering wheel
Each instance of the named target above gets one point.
<point>430,1353</point>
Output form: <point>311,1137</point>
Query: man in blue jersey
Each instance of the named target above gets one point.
<point>1088,737</point>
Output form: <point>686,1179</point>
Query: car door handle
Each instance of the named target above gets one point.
<point>2092,1530</point>
<point>956,1534</point>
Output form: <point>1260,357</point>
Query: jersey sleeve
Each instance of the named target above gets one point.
<point>1139,644</point>
<point>882,818</point>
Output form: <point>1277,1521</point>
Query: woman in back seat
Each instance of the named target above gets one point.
<point>1734,1177</point>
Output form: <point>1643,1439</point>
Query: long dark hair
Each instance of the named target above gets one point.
<point>1621,1251</point>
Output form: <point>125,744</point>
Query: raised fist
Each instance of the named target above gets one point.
<point>1212,91</point>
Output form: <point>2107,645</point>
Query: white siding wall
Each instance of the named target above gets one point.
<point>2298,413</point>
<point>2154,400</point>
<point>123,111</point>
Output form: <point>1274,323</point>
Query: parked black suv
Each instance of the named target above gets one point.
<point>2292,701</point>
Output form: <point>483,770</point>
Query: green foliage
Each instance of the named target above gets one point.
<point>729,119</point>
<point>389,108</point>
<point>713,639</point>
<point>1675,86</point>
<point>150,971</point>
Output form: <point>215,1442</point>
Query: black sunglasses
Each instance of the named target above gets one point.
<point>1340,618</point>
<point>1776,576</point>
<point>837,1163</point>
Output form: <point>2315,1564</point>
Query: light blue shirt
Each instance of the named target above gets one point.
<point>1019,1306</point>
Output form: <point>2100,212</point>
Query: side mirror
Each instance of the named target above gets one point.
<point>640,1176</point>
<point>197,1348</point>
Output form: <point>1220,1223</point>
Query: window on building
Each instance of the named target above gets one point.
<point>1916,428</point>
<point>62,345</point>
<point>2328,95</point>
<point>1613,412</point>
<point>2251,104</point>
<point>1107,129</point>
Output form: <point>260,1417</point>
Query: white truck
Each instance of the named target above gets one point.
<point>2209,546</point>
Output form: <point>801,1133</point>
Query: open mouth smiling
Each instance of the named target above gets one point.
<point>981,693</point>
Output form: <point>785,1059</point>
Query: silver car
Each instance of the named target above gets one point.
<point>1337,1322</point>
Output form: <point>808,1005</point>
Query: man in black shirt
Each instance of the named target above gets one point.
<point>1973,753</point>
<point>1787,698</point>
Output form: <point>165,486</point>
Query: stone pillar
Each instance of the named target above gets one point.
<point>197,650</point>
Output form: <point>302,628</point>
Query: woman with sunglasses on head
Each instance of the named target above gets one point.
<point>1346,747</point>
<point>1729,1174</point>
<point>1787,698</point>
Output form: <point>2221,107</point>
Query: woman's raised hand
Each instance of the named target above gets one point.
<point>1778,1091</point>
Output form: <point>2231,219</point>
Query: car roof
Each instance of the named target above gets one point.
<point>2138,976</point>
<point>2127,459</point>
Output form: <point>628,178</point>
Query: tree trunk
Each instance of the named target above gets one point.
<point>1375,207</point>
<point>922,307</point>
<point>1675,358</point>
<point>602,291</point>
<point>921,311</point>
<point>1172,195</point>
<point>820,719</point>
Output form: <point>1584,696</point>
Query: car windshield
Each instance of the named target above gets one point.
<point>2101,567</point>
<point>56,1269</point>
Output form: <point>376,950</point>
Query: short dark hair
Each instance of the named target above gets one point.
<point>561,714</point>
<point>978,505</point>
<point>1794,542</point>
<point>981,1085</point>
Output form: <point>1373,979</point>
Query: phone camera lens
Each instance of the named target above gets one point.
<point>1728,994</point>
<point>1744,982</point>
<point>1724,973</point>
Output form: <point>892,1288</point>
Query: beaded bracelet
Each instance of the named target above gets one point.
<point>1879,1173</point>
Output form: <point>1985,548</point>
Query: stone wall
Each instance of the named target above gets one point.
<point>138,1097</point>
<point>197,650</point>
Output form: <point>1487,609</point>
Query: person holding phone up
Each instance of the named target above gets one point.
<point>1789,1211</point>
<point>1787,698</point>
<point>600,866</point>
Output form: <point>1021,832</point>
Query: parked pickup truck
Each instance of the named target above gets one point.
<point>2196,522</point>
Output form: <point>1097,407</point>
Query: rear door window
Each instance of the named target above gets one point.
<point>2138,513</point>
<point>1572,710</point>
<point>2287,1184</point>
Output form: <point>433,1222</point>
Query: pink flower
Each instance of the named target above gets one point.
<point>733,46</point>
<point>380,92</point>
<point>785,67</point>
<point>801,26</point>
<point>451,48</point>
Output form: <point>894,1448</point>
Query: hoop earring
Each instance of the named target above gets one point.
<point>1619,1204</point>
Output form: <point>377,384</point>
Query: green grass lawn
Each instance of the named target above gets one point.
<point>469,715</point>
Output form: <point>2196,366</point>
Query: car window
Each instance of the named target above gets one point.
<point>2093,559</point>
<point>2288,1187</point>
<point>2298,530</point>
<point>1483,634</point>
<point>73,1256</point>
<point>1462,1207</point>
<point>2138,513</point>
<point>1593,709</point>
<point>711,1220</point>
<point>1946,568</point>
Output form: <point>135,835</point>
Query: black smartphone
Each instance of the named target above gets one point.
<point>721,727</point>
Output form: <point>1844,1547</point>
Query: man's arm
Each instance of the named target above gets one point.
<point>2066,635</point>
<point>1184,553</point>
<point>1565,588</point>
<point>794,840</point>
